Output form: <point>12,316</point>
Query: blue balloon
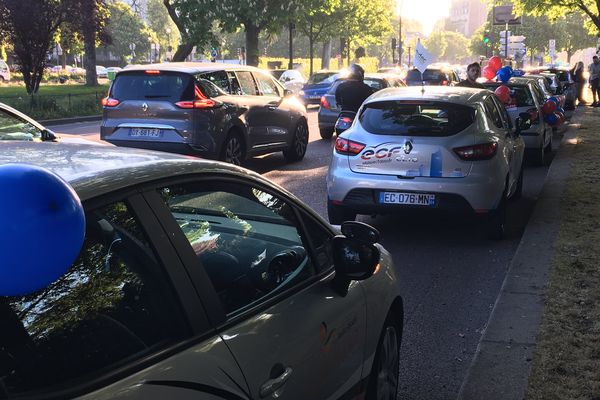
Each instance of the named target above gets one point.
<point>555,100</point>
<point>518,72</point>
<point>551,119</point>
<point>560,110</point>
<point>504,74</point>
<point>43,228</point>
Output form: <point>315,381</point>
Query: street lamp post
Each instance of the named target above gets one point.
<point>150,51</point>
<point>400,32</point>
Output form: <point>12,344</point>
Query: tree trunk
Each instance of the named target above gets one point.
<point>89,42</point>
<point>569,55</point>
<point>311,41</point>
<point>183,50</point>
<point>326,54</point>
<point>251,43</point>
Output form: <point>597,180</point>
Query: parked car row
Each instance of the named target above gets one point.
<point>177,277</point>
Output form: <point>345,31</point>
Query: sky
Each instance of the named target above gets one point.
<point>428,12</point>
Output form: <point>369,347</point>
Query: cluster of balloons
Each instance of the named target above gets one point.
<point>495,69</point>
<point>553,113</point>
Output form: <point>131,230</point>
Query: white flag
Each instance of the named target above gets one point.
<point>422,57</point>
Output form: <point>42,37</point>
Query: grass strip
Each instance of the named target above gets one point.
<point>566,364</point>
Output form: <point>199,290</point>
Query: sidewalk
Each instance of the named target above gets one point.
<point>510,343</point>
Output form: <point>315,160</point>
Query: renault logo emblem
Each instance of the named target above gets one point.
<point>408,147</point>
<point>145,108</point>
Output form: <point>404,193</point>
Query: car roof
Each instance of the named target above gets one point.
<point>189,67</point>
<point>94,170</point>
<point>446,94</point>
<point>516,81</point>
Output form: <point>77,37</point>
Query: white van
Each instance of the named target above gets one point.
<point>4,71</point>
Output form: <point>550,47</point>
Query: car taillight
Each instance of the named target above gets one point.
<point>535,116</point>
<point>483,151</point>
<point>343,123</point>
<point>109,102</point>
<point>324,103</point>
<point>200,101</point>
<point>444,83</point>
<point>348,147</point>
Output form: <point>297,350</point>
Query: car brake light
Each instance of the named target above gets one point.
<point>348,147</point>
<point>152,71</point>
<point>444,83</point>
<point>535,115</point>
<point>109,102</point>
<point>483,151</point>
<point>200,101</point>
<point>325,103</point>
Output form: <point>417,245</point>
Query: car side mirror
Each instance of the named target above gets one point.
<point>355,255</point>
<point>288,92</point>
<point>49,136</point>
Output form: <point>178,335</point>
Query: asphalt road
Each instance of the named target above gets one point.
<point>450,274</point>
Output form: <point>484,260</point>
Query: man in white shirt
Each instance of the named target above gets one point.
<point>594,69</point>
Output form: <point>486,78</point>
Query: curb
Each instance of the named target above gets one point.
<point>502,362</point>
<point>64,121</point>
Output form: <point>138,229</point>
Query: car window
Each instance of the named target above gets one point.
<point>520,95</point>
<point>267,86</point>
<point>111,307</point>
<point>247,84</point>
<point>322,77</point>
<point>538,93</point>
<point>15,128</point>
<point>141,85</point>
<point>209,89</point>
<point>492,112</point>
<point>247,240</point>
<point>234,84</point>
<point>415,118</point>
<point>219,79</point>
<point>503,114</point>
<point>374,83</point>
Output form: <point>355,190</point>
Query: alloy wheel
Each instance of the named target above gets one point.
<point>388,367</point>
<point>233,153</point>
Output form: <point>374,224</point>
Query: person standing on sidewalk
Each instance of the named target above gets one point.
<point>594,70</point>
<point>577,77</point>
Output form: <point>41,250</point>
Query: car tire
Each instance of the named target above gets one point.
<point>326,133</point>
<point>337,214</point>
<point>496,220</point>
<point>385,373</point>
<point>233,151</point>
<point>519,190</point>
<point>548,148</point>
<point>538,156</point>
<point>297,149</point>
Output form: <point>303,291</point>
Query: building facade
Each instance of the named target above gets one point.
<point>466,16</point>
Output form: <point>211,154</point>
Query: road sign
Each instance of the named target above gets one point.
<point>516,38</point>
<point>504,15</point>
<point>551,48</point>
<point>512,47</point>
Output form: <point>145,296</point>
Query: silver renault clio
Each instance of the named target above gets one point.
<point>428,148</point>
<point>131,274</point>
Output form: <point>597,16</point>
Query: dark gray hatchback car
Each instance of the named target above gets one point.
<point>220,111</point>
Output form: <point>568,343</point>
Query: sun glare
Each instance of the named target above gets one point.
<point>427,12</point>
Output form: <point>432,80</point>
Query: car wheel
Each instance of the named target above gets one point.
<point>519,190</point>
<point>326,133</point>
<point>548,147</point>
<point>497,220</point>
<point>233,149</point>
<point>538,156</point>
<point>383,382</point>
<point>299,144</point>
<point>337,214</point>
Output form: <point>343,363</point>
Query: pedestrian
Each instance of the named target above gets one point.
<point>473,72</point>
<point>594,70</point>
<point>579,81</point>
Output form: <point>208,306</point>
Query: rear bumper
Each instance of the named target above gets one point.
<point>327,118</point>
<point>178,148</point>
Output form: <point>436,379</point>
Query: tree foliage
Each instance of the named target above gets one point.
<point>160,22</point>
<point>554,9</point>
<point>31,25</point>
<point>448,46</point>
<point>127,28</point>
<point>365,22</point>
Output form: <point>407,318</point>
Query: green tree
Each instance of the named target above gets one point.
<point>436,43</point>
<point>574,35</point>
<point>160,22</point>
<point>30,25</point>
<point>127,28</point>
<point>555,9</point>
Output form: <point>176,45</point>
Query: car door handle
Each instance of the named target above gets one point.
<point>272,385</point>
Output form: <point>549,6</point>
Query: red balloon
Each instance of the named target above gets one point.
<point>488,73</point>
<point>503,93</point>
<point>549,107</point>
<point>495,63</point>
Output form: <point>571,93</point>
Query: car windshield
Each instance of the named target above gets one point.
<point>141,85</point>
<point>277,73</point>
<point>416,118</point>
<point>428,75</point>
<point>322,77</point>
<point>15,128</point>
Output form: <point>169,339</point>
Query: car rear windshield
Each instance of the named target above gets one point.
<point>416,118</point>
<point>375,84</point>
<point>164,86</point>
<point>520,95</point>
<point>428,75</point>
<point>325,77</point>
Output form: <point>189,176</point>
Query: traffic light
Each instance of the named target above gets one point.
<point>486,38</point>
<point>393,43</point>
